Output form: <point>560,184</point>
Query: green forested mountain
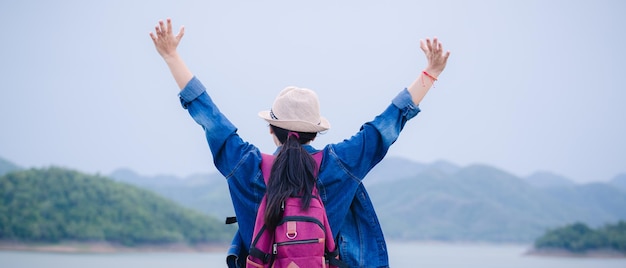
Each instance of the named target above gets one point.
<point>56,204</point>
<point>580,238</point>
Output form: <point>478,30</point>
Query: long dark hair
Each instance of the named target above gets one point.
<point>292,174</point>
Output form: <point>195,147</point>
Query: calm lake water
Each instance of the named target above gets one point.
<point>402,254</point>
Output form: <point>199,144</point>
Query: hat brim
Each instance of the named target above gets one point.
<point>300,126</point>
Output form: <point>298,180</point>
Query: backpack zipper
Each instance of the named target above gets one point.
<point>297,242</point>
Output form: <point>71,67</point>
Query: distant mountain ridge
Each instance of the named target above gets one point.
<point>544,179</point>
<point>397,168</point>
<point>440,200</point>
<point>207,193</point>
<point>619,181</point>
<point>480,202</point>
<point>6,166</point>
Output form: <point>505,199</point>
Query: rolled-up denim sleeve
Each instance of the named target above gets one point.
<point>361,152</point>
<point>227,147</point>
<point>192,90</point>
<point>404,102</point>
<point>204,111</point>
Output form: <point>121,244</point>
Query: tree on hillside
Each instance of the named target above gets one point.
<point>55,204</point>
<point>579,238</point>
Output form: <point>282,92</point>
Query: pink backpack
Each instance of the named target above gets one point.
<point>302,238</point>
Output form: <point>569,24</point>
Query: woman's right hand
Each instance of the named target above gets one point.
<point>164,39</point>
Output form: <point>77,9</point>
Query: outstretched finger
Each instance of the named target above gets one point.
<point>423,46</point>
<point>435,44</point>
<point>160,28</point>
<point>181,32</point>
<point>169,26</point>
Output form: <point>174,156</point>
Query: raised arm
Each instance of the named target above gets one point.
<point>437,60</point>
<point>166,43</point>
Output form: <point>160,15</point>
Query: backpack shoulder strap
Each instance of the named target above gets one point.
<point>267,160</point>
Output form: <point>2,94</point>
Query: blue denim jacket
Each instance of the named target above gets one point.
<point>344,164</point>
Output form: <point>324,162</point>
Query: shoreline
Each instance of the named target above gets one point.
<point>110,248</point>
<point>562,253</point>
<point>73,247</point>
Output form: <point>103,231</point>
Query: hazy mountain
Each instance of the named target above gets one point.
<point>393,168</point>
<point>619,181</point>
<point>442,201</point>
<point>547,180</point>
<point>476,203</point>
<point>396,168</point>
<point>445,167</point>
<point>592,203</point>
<point>6,166</point>
<point>483,203</point>
<point>129,176</point>
<point>207,193</point>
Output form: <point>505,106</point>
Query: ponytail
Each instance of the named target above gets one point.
<point>292,174</point>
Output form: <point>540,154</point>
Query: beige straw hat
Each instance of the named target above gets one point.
<point>296,109</point>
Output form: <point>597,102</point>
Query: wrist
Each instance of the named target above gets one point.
<point>171,56</point>
<point>433,72</point>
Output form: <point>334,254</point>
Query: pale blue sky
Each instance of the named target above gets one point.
<point>531,85</point>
